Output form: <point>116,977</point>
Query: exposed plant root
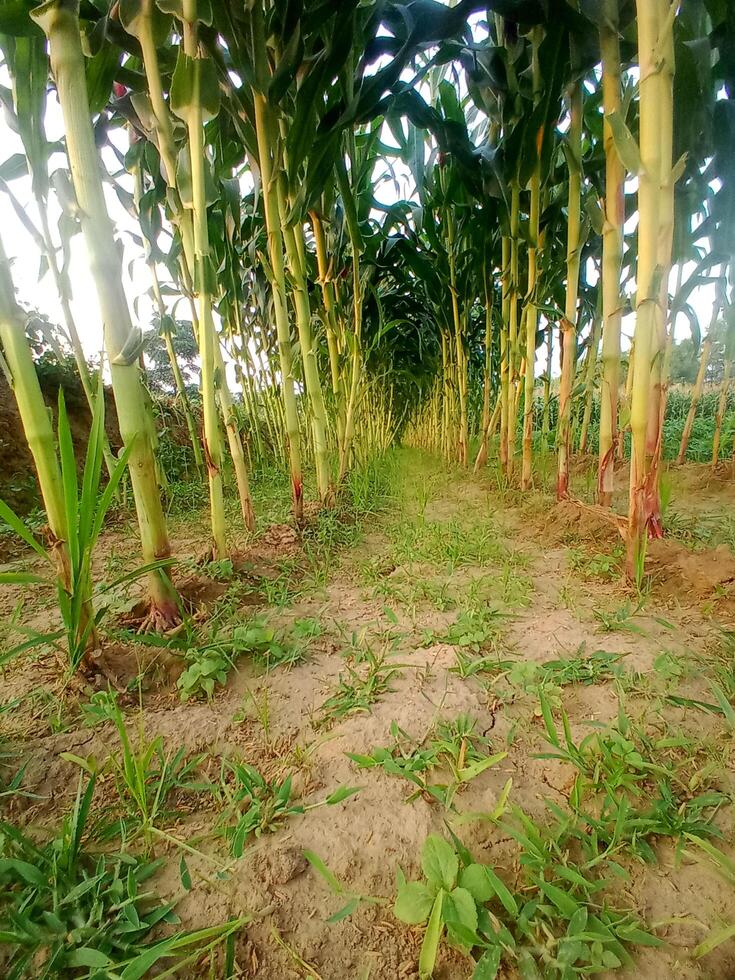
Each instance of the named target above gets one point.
<point>160,621</point>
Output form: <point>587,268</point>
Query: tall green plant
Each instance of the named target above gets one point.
<point>85,508</point>
<point>574,255</point>
<point>612,253</point>
<point>59,20</point>
<point>34,415</point>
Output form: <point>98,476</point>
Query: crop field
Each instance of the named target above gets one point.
<point>367,489</point>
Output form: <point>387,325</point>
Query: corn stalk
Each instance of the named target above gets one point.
<point>531,311</point>
<point>143,20</point>
<point>726,375</point>
<point>569,322</point>
<point>612,257</point>
<point>34,415</point>
<point>653,26</point>
<point>481,458</point>
<point>269,182</point>
<point>59,20</point>
<point>293,238</point>
<point>590,373</point>
<point>515,207</point>
<point>505,354</point>
<point>701,374</point>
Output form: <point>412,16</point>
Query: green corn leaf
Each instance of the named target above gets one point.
<point>16,524</point>
<point>194,85</point>
<point>625,144</point>
<point>69,481</point>
<point>133,20</point>
<point>287,67</point>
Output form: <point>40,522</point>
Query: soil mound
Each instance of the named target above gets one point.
<point>699,575</point>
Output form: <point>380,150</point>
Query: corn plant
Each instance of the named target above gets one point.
<point>60,22</point>
<point>85,507</point>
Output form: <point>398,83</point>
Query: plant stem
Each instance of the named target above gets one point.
<point>34,416</point>
<point>481,458</point>
<point>569,323</point>
<point>275,252</point>
<point>204,285</point>
<point>612,257</point>
<point>531,301</point>
<point>648,275</point>
<point>59,20</point>
<point>293,238</point>
<point>515,207</point>
<point>699,381</point>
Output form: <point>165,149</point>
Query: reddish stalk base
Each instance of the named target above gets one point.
<point>298,499</point>
<point>161,616</point>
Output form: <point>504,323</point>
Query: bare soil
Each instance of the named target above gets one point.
<point>541,571</point>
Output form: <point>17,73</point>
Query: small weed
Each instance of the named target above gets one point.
<point>357,690</point>
<point>616,768</point>
<point>614,760</point>
<point>306,629</point>
<point>619,620</point>
<point>337,888</point>
<point>67,912</point>
<point>516,588</point>
<point>726,868</point>
<point>207,666</point>
<point>146,775</point>
<point>601,566</point>
<point>455,747</point>
<point>449,544</point>
<point>256,805</point>
<point>581,668</point>
<point>553,924</point>
<point>474,629</point>
<point>210,663</point>
<point>468,664</point>
<point>259,707</point>
<point>619,824</point>
<point>671,666</point>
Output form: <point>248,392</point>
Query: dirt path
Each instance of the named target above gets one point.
<point>441,616</point>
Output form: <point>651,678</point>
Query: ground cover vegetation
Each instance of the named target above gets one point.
<point>368,604</point>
